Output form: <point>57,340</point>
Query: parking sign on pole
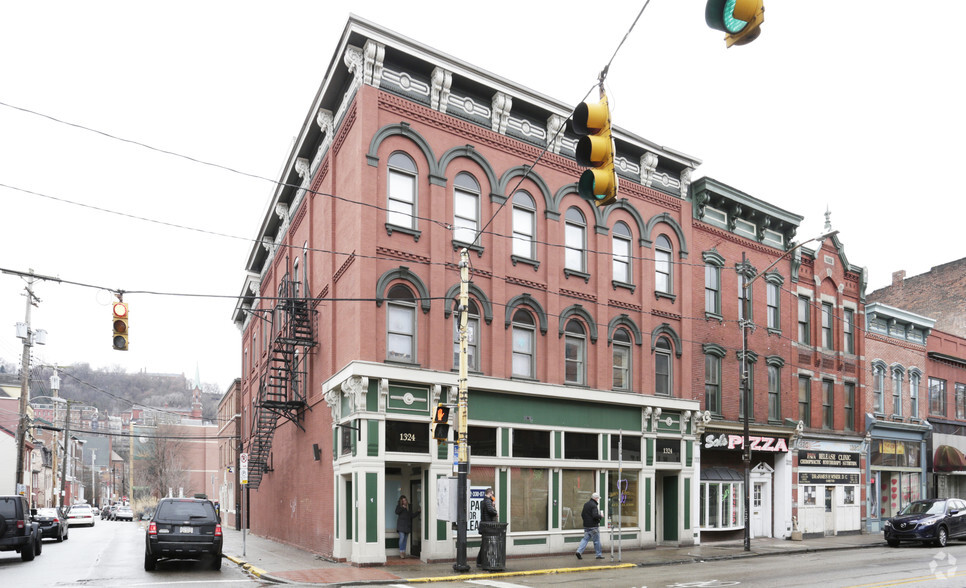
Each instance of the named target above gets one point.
<point>243,467</point>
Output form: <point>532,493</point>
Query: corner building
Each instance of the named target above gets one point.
<point>577,317</point>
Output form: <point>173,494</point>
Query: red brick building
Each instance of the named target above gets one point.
<point>229,418</point>
<point>939,294</point>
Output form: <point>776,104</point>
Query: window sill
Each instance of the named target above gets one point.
<point>658,295</point>
<point>713,316</point>
<point>415,233</point>
<point>405,363</point>
<point>618,284</point>
<point>457,245</point>
<point>577,274</point>
<point>772,331</point>
<point>517,378</point>
<point>515,259</point>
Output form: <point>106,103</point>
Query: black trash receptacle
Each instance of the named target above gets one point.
<point>493,534</point>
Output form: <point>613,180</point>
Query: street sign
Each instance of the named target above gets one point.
<point>243,467</point>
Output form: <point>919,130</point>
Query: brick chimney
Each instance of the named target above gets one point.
<point>897,278</point>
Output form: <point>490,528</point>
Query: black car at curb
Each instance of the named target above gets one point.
<point>183,528</point>
<point>18,531</point>
<point>53,523</point>
<point>935,521</point>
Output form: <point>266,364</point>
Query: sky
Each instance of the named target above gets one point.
<point>133,136</point>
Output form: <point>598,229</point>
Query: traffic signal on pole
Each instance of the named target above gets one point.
<point>595,149</point>
<point>740,19</point>
<point>120,326</point>
<point>441,423</point>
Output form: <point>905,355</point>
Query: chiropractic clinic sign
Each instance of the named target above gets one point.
<point>714,441</point>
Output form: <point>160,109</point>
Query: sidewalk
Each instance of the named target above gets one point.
<point>281,563</point>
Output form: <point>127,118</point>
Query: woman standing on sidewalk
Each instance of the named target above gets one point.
<point>404,523</point>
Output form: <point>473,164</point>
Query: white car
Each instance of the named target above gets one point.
<point>80,514</point>
<point>124,513</point>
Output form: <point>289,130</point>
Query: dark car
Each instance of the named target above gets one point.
<point>18,532</point>
<point>183,528</point>
<point>52,522</point>
<point>936,520</point>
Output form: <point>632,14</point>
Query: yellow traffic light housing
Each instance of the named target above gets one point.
<point>740,19</point>
<point>120,325</point>
<point>595,149</point>
<point>441,423</point>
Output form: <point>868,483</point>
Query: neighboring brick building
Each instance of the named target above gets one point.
<point>229,418</point>
<point>939,294</point>
<point>895,410</point>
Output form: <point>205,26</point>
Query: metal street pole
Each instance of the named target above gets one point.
<point>24,385</point>
<point>463,465</point>
<point>746,323</point>
<point>63,471</point>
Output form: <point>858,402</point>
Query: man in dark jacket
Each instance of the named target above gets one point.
<point>488,512</point>
<point>592,517</point>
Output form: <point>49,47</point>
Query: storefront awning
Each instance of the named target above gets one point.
<point>721,475</point>
<point>948,459</point>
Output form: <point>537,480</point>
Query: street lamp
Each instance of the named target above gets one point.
<point>746,323</point>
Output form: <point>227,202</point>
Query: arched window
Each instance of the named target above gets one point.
<point>621,346</point>
<point>897,391</point>
<point>401,324</point>
<point>878,384</point>
<point>575,240</point>
<point>662,265</point>
<point>524,344</point>
<point>524,225</point>
<point>466,208</point>
<point>662,367</point>
<point>621,245</point>
<point>575,353</point>
<point>472,337</point>
<point>401,197</point>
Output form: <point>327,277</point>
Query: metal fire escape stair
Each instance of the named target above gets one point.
<point>281,391</point>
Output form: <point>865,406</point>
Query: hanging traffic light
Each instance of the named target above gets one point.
<point>740,19</point>
<point>595,149</point>
<point>120,326</point>
<point>441,423</point>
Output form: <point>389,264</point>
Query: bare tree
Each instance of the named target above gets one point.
<point>159,464</point>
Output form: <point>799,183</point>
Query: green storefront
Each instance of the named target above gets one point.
<point>543,448</point>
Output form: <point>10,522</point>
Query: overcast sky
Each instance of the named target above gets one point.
<point>857,109</point>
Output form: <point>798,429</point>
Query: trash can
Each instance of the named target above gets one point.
<point>493,534</point>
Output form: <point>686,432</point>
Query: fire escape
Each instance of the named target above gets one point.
<point>282,385</point>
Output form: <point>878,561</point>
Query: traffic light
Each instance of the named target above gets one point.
<point>595,149</point>
<point>740,19</point>
<point>120,326</point>
<point>441,423</point>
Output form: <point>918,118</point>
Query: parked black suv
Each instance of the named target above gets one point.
<point>18,531</point>
<point>183,528</point>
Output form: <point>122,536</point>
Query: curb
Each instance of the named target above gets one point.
<point>262,574</point>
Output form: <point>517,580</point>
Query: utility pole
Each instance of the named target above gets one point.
<point>24,384</point>
<point>462,414</point>
<point>63,471</point>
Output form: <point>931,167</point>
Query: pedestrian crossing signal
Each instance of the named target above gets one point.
<point>441,423</point>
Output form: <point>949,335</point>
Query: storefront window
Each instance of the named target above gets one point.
<point>629,450</point>
<point>888,452</point>
<point>530,443</point>
<point>578,485</point>
<point>623,495</point>
<point>580,446</point>
<point>721,506</point>
<point>482,441</point>
<point>896,490</point>
<point>529,499</point>
<point>809,498</point>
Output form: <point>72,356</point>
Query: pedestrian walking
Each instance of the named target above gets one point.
<point>488,513</point>
<point>592,517</point>
<point>404,523</point>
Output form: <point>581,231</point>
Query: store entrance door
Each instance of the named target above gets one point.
<point>669,493</point>
<point>829,510</point>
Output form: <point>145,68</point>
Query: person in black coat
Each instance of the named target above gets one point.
<point>488,512</point>
<point>404,523</point>
<point>592,517</point>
